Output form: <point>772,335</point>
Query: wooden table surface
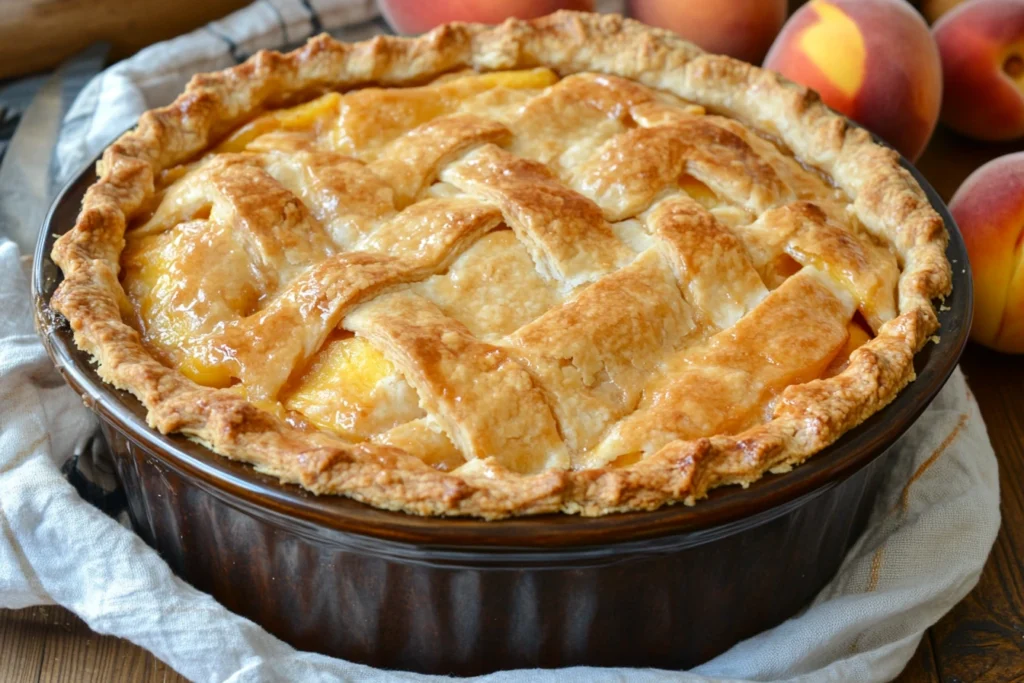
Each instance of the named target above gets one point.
<point>982,639</point>
<point>40,34</point>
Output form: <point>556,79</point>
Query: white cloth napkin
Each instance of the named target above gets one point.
<point>932,528</point>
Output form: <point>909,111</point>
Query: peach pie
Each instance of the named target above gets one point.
<point>572,264</point>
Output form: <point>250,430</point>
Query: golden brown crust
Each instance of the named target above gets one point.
<point>720,278</point>
<point>579,247</point>
<point>807,417</point>
<point>594,353</point>
<point>486,400</point>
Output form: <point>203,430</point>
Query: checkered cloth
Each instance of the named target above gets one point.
<point>933,525</point>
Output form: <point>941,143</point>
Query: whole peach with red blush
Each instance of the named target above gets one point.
<point>417,16</point>
<point>873,60</point>
<point>989,208</point>
<point>982,47</point>
<point>739,28</point>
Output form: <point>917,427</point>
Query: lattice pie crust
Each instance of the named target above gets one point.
<point>561,265</point>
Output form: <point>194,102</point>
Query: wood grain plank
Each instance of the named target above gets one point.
<point>982,638</point>
<point>922,668</point>
<point>22,633</point>
<point>40,34</point>
<point>58,646</point>
<point>950,158</point>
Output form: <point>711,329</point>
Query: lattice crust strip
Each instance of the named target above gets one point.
<point>509,292</point>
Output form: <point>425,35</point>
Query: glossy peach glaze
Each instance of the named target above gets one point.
<point>228,236</point>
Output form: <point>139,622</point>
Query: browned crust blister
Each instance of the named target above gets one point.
<point>807,417</point>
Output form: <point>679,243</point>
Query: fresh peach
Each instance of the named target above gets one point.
<point>417,16</point>
<point>989,208</point>
<point>982,48</point>
<point>740,28</point>
<point>873,60</point>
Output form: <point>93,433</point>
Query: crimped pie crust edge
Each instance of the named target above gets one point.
<point>807,417</point>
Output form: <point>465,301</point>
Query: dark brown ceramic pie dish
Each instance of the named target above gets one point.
<point>670,588</point>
